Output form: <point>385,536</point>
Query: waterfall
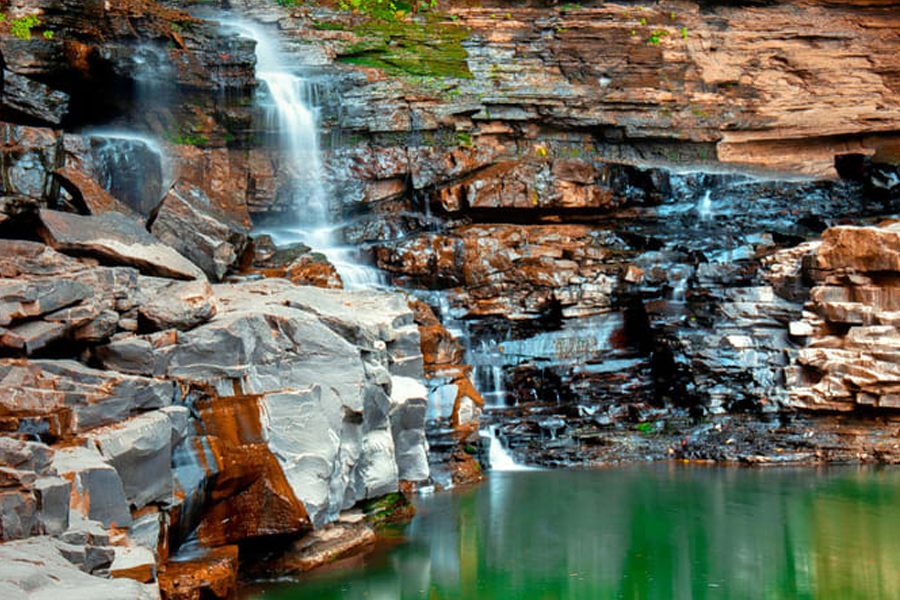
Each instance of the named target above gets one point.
<point>704,207</point>
<point>501,459</point>
<point>291,111</point>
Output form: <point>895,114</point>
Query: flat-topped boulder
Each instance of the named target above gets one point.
<point>116,238</point>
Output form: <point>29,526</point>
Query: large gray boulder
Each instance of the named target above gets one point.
<point>97,490</point>
<point>320,362</point>
<point>188,221</point>
<point>140,449</point>
<point>117,238</point>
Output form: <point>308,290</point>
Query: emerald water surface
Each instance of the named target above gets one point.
<point>665,531</point>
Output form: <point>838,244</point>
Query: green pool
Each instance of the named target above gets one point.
<point>659,531</point>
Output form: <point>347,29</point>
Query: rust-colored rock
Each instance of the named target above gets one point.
<point>517,272</point>
<point>296,262</point>
<point>212,576</point>
<point>250,494</point>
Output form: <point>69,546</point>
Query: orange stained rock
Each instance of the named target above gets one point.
<point>250,494</point>
<point>212,576</point>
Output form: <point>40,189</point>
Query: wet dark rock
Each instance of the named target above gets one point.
<point>17,213</point>
<point>187,221</point>
<point>88,194</point>
<point>32,100</point>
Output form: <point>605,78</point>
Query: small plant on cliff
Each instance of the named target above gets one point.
<point>647,428</point>
<point>656,36</point>
<point>21,27</point>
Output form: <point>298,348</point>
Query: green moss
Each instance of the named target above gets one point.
<point>388,509</point>
<point>464,139</point>
<point>188,139</point>
<point>410,48</point>
<point>325,26</point>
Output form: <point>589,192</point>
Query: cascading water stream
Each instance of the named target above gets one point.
<point>500,458</point>
<point>292,113</point>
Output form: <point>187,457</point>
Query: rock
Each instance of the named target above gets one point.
<point>250,495</point>
<point>26,97</point>
<point>28,338</point>
<point>212,575</point>
<point>175,305</point>
<point>409,406</point>
<point>53,495</point>
<point>187,221</point>
<point>23,455</point>
<point>17,212</point>
<point>140,450</point>
<point>18,515</point>
<point>25,300</point>
<point>97,491</point>
<point>863,249</point>
<point>87,193</point>
<point>134,563</point>
<point>114,237</point>
<point>296,262</point>
<point>36,569</point>
<point>54,398</point>
<point>146,531</point>
<point>303,433</point>
<point>319,548</point>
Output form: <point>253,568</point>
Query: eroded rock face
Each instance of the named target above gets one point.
<point>848,329</point>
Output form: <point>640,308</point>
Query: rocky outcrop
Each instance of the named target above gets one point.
<point>295,262</point>
<point>190,415</point>
<point>847,358</point>
<point>187,221</point>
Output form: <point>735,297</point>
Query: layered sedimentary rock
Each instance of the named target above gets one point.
<point>848,328</point>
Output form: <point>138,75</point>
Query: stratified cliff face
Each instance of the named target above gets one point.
<point>556,182</point>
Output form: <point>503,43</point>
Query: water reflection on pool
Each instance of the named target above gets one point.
<point>662,531</point>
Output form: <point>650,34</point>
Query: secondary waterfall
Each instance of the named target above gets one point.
<point>501,459</point>
<point>291,112</point>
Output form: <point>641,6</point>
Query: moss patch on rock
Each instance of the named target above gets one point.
<point>410,48</point>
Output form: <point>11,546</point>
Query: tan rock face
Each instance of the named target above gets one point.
<point>785,86</point>
<point>850,324</point>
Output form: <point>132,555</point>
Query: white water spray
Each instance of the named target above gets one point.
<point>704,207</point>
<point>501,459</point>
<point>292,113</point>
